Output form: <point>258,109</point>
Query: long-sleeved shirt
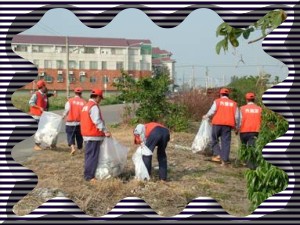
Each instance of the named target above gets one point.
<point>141,131</point>
<point>33,99</point>
<point>32,102</point>
<point>213,110</point>
<point>100,124</point>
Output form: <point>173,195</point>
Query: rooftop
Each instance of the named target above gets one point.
<point>89,41</point>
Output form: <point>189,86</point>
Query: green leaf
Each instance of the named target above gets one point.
<point>246,33</point>
<point>219,46</point>
<point>277,21</point>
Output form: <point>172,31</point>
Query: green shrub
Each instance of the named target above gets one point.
<point>148,101</point>
<point>267,179</point>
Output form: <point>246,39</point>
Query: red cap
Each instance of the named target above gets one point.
<point>40,83</point>
<point>224,91</point>
<point>78,90</point>
<point>98,92</point>
<point>250,96</point>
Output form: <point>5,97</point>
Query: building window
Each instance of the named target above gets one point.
<point>82,79</point>
<point>104,65</point>
<point>105,79</point>
<point>61,49</point>
<point>72,64</point>
<point>81,64</point>
<point>48,79</point>
<point>48,64</point>
<point>21,48</point>
<point>89,50</point>
<point>59,64</point>
<point>60,78</point>
<point>119,65</point>
<point>134,66</point>
<point>72,79</point>
<point>113,51</point>
<point>93,80</point>
<point>93,65</point>
<point>37,48</point>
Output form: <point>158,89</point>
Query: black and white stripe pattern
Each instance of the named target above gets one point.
<point>283,44</point>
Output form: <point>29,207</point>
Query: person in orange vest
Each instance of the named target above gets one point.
<point>38,103</point>
<point>250,122</point>
<point>225,117</point>
<point>94,131</point>
<point>73,108</point>
<point>154,134</point>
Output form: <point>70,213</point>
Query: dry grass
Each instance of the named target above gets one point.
<point>190,176</point>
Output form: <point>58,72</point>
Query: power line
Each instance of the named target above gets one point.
<point>204,66</point>
<point>48,29</point>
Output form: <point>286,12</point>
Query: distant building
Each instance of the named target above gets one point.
<point>163,58</point>
<point>93,62</point>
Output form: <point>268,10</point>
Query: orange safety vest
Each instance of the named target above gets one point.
<point>150,126</point>
<point>225,114</point>
<point>251,118</point>
<point>41,101</point>
<point>88,128</point>
<point>76,105</point>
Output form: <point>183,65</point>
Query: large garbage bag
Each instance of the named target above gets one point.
<point>141,172</point>
<point>48,129</point>
<point>112,159</point>
<point>202,140</point>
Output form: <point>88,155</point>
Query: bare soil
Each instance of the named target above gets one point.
<point>190,176</point>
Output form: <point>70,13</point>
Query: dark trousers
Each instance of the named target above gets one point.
<point>159,137</point>
<point>73,132</point>
<point>92,150</point>
<point>223,133</point>
<point>249,139</point>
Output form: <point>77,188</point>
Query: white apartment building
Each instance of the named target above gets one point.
<point>92,62</point>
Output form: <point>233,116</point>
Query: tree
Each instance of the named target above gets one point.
<point>150,94</point>
<point>231,35</point>
<point>266,179</point>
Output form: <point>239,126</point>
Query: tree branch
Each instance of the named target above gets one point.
<point>258,39</point>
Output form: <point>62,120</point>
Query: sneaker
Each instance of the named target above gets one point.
<point>216,158</point>
<point>37,148</point>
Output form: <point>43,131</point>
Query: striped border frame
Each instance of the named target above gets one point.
<point>15,126</point>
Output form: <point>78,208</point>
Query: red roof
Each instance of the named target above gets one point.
<point>158,51</point>
<point>58,40</point>
<point>160,60</point>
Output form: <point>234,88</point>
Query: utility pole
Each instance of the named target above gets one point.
<point>206,80</point>
<point>67,70</point>
<point>193,81</point>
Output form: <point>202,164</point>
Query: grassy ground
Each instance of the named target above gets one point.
<point>190,176</point>
<point>20,101</point>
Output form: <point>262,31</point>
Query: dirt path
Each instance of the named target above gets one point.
<point>190,176</point>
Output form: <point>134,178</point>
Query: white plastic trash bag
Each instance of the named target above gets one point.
<point>141,172</point>
<point>112,159</point>
<point>48,129</point>
<point>203,137</point>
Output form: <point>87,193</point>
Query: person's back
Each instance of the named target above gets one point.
<point>251,118</point>
<point>73,108</point>
<point>76,104</point>
<point>225,112</point>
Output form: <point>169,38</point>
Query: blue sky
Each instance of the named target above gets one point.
<point>192,43</point>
